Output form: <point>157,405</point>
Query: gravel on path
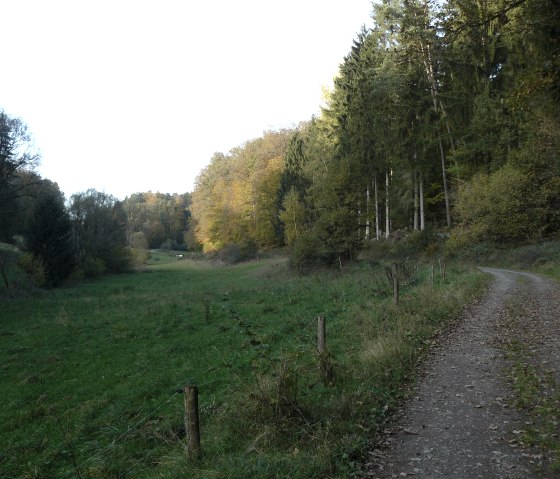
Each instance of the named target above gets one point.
<point>458,422</point>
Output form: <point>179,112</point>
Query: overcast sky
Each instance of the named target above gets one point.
<point>134,95</point>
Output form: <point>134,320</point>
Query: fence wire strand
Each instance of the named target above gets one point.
<point>122,436</point>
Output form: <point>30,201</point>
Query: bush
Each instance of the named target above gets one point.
<point>169,245</point>
<point>33,268</point>
<point>421,241</point>
<point>93,267</point>
<point>503,207</point>
<point>139,248</point>
<point>306,253</point>
<point>138,240</point>
<point>119,259</point>
<point>139,256</point>
<point>233,253</point>
<point>411,244</point>
<point>19,271</point>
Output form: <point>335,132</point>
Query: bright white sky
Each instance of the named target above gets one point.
<point>135,95</point>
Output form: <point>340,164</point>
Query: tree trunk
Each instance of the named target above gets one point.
<point>447,127</point>
<point>415,184</point>
<point>429,69</point>
<point>359,220</point>
<point>376,198</point>
<point>445,189</point>
<point>4,274</point>
<point>421,194</point>
<point>387,221</point>
<point>367,212</point>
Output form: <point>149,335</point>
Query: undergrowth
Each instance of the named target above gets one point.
<point>540,257</point>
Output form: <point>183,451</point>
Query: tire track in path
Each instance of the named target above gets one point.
<point>457,423</point>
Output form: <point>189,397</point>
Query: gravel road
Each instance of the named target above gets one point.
<point>458,422</point>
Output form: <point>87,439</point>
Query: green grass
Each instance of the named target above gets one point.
<point>89,374</point>
<point>535,391</point>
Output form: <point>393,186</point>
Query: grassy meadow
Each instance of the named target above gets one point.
<point>91,374</point>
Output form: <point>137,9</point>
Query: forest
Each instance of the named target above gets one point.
<point>444,118</point>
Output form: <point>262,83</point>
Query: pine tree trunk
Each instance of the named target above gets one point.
<point>447,127</point>
<point>359,220</point>
<point>376,198</point>
<point>421,194</point>
<point>428,66</point>
<point>445,189</point>
<point>387,221</point>
<point>367,212</point>
<point>415,184</point>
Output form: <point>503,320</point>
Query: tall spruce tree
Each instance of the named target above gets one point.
<point>49,237</point>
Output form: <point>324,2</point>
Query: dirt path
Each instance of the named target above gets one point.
<point>458,422</point>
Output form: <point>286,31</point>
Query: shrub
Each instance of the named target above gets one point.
<point>169,245</point>
<point>421,241</point>
<point>501,207</point>
<point>306,252</point>
<point>272,402</point>
<point>375,251</point>
<point>118,260</point>
<point>33,268</point>
<point>140,256</point>
<point>138,240</point>
<point>139,248</point>
<point>93,267</point>
<point>233,253</point>
<point>409,244</point>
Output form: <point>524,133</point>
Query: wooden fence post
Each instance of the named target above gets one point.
<point>191,420</point>
<point>433,276</point>
<point>395,276</point>
<point>442,268</point>
<point>321,334</point>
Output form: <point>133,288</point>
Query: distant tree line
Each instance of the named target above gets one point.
<point>50,239</point>
<point>443,115</point>
<point>162,219</point>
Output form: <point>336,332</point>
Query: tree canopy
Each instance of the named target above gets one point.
<point>443,113</point>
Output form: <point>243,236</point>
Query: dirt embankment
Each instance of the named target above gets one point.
<point>459,421</point>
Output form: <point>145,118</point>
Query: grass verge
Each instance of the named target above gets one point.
<point>535,392</point>
<point>542,257</point>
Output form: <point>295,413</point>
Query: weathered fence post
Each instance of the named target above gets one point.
<point>395,277</point>
<point>433,276</point>
<point>326,365</point>
<point>191,420</point>
<point>321,334</point>
<point>442,268</point>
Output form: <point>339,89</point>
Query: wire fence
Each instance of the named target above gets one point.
<point>79,466</point>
